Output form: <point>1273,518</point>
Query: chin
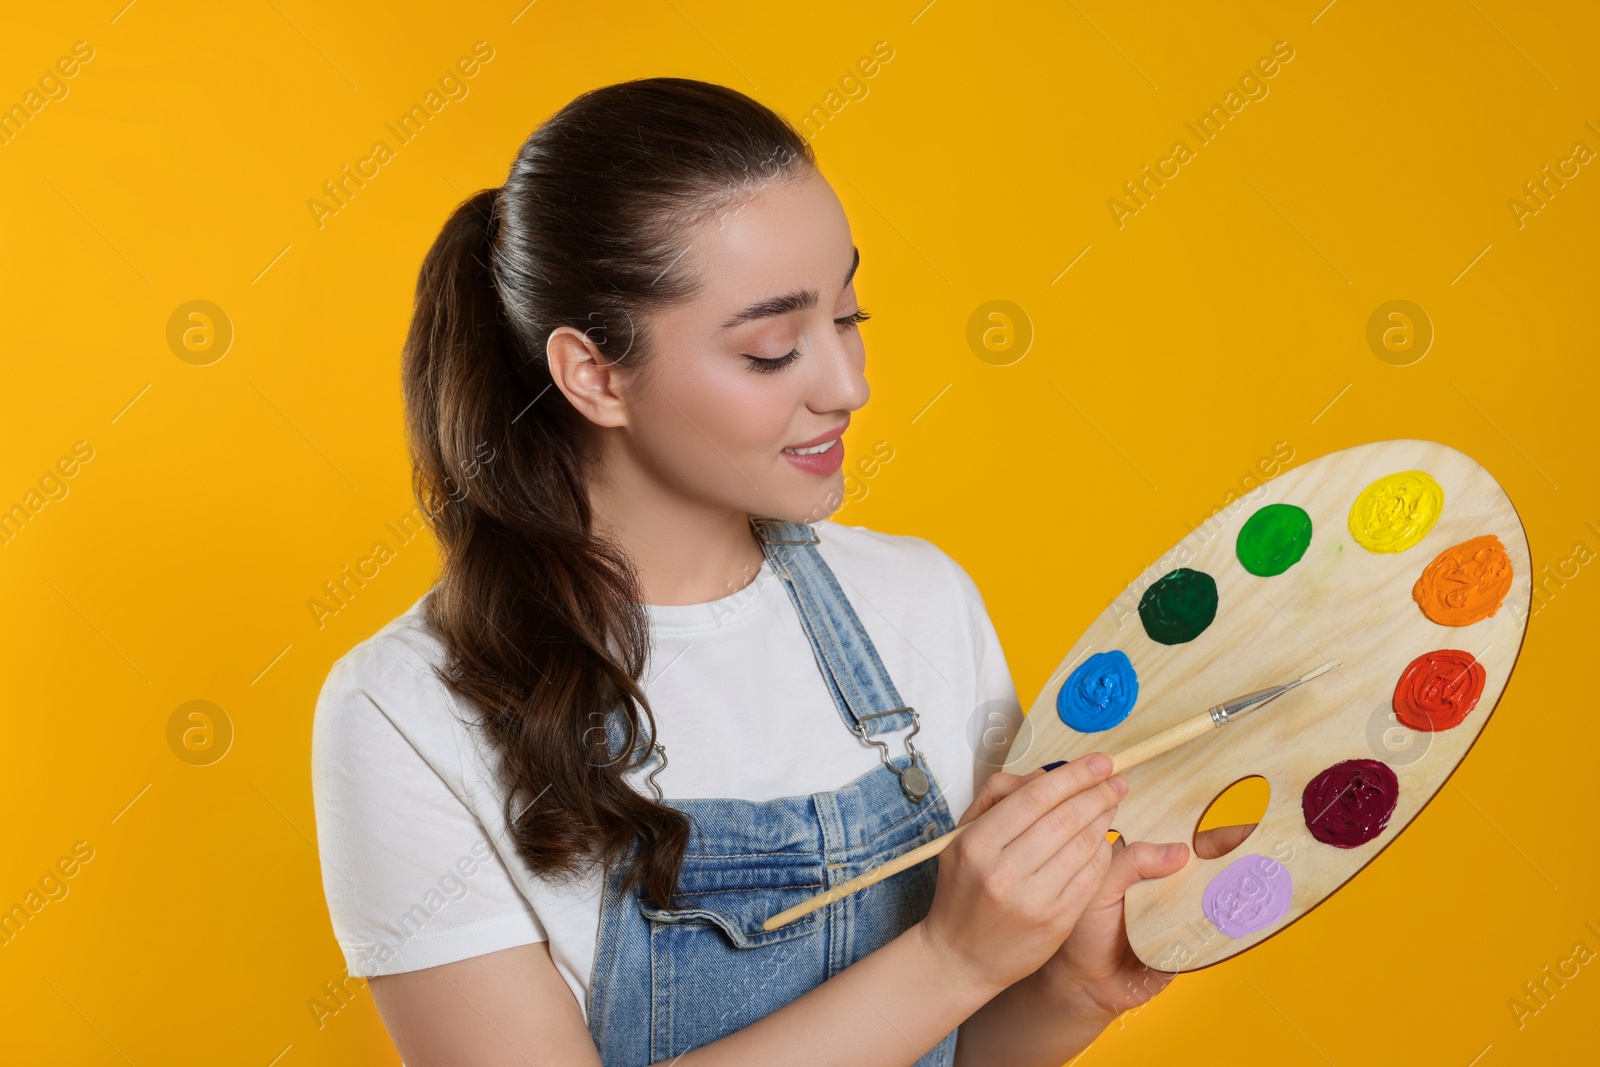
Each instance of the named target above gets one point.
<point>816,502</point>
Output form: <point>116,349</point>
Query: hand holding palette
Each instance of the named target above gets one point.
<point>1403,560</point>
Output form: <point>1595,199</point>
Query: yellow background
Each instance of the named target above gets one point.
<point>1227,315</point>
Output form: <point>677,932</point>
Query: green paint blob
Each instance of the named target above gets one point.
<point>1179,606</point>
<point>1273,539</point>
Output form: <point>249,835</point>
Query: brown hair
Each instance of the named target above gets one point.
<point>541,616</point>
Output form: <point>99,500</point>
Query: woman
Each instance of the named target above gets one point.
<point>626,384</point>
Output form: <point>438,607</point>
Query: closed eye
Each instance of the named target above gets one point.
<point>767,366</point>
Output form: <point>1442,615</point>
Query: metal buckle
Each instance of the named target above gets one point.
<point>913,780</point>
<point>763,526</point>
<point>659,750</point>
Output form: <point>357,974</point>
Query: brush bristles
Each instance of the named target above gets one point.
<point>1324,669</point>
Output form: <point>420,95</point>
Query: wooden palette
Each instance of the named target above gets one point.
<point>1339,601</point>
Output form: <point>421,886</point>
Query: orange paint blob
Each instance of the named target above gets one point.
<point>1464,584</point>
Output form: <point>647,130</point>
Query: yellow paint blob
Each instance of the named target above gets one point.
<point>1396,511</point>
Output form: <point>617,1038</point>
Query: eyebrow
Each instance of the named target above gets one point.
<point>782,305</point>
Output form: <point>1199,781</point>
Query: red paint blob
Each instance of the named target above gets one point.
<point>1438,689</point>
<point>1349,803</point>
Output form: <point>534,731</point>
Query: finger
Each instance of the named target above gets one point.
<point>1093,856</point>
<point>1020,809</point>
<point>1137,861</point>
<point>998,785</point>
<point>1060,867</point>
<point>1059,824</point>
<point>1070,830</point>
<point>1209,844</point>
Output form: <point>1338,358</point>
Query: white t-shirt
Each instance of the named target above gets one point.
<point>417,866</point>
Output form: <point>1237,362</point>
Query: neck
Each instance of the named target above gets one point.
<point>686,551</point>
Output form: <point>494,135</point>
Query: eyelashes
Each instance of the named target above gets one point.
<point>767,366</point>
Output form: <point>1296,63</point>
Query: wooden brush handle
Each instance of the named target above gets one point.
<point>1162,743</point>
<point>861,881</point>
<point>1132,756</point>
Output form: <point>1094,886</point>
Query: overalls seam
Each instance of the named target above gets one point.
<point>743,889</point>
<point>928,810</point>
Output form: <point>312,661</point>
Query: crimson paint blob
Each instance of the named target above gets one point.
<point>1350,803</point>
<point>1438,689</point>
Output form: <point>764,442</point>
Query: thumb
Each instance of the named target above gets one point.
<point>1135,862</point>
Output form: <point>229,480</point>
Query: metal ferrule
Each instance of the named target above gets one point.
<point>1239,705</point>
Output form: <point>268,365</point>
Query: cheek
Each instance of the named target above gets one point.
<point>724,410</point>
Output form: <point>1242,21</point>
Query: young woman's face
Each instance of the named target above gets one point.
<point>766,359</point>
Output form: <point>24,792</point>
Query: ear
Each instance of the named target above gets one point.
<point>590,382</point>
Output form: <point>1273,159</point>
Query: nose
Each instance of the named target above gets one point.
<point>841,383</point>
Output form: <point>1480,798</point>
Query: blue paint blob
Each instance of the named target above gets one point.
<point>1099,694</point>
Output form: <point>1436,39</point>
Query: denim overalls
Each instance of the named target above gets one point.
<point>667,981</point>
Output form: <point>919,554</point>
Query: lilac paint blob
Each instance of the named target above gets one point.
<point>1249,894</point>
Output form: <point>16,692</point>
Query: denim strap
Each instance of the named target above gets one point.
<point>856,678</point>
<point>836,633</point>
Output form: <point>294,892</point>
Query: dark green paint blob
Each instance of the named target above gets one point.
<point>1273,539</point>
<point>1179,606</point>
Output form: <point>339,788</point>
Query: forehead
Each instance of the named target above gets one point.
<point>782,235</point>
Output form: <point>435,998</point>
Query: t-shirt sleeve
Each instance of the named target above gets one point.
<point>999,712</point>
<point>411,875</point>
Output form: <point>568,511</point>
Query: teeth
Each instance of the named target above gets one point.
<point>813,450</point>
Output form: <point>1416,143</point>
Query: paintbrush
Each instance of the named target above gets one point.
<point>1132,756</point>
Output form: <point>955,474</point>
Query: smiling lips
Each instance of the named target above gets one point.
<point>814,449</point>
<point>820,455</point>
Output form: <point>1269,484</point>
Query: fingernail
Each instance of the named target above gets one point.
<point>1172,852</point>
<point>1100,764</point>
<point>1057,763</point>
<point>1120,784</point>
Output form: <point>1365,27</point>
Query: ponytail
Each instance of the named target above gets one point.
<point>541,615</point>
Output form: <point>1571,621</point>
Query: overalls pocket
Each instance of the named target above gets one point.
<point>714,970</point>
<point>740,913</point>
